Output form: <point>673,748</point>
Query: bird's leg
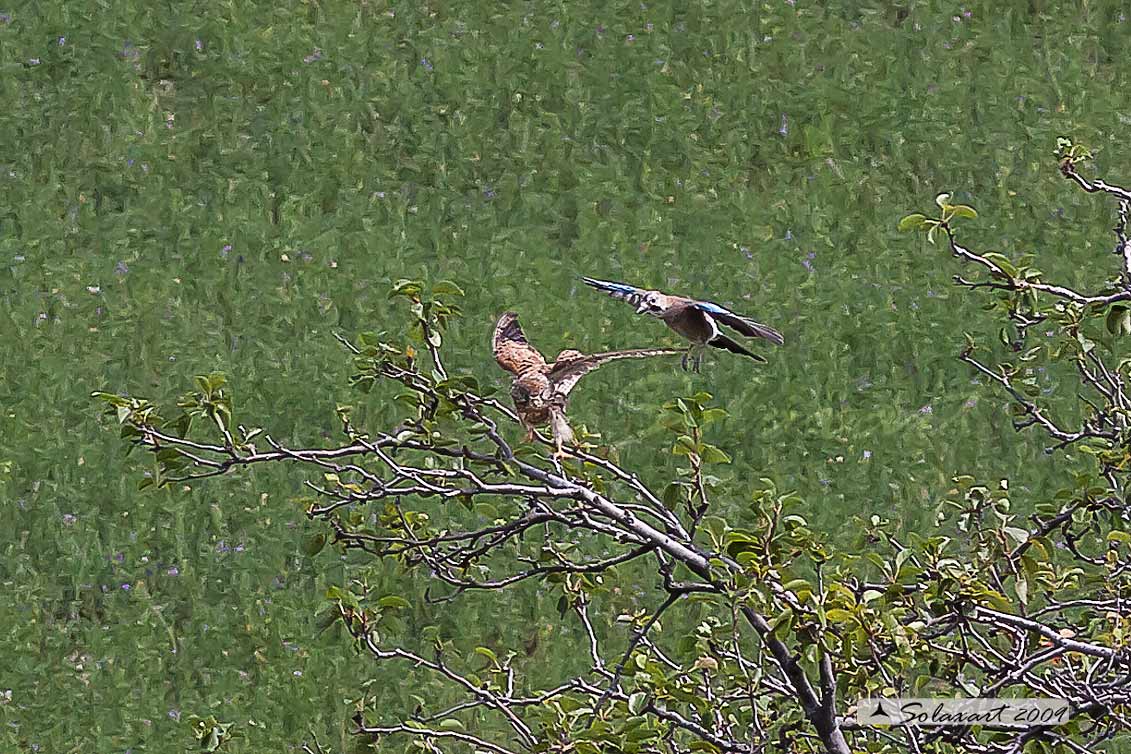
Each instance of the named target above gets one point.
<point>559,445</point>
<point>561,431</point>
<point>693,357</point>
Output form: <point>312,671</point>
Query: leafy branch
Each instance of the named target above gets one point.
<point>791,634</point>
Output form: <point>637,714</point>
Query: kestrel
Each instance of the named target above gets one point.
<point>540,389</point>
<point>698,321</point>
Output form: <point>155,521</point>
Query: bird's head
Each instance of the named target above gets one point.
<point>650,303</point>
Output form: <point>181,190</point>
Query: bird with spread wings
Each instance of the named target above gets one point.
<point>540,389</point>
<point>698,321</point>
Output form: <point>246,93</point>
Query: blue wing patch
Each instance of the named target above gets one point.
<point>707,306</point>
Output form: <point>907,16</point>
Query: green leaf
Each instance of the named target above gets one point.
<point>1118,320</point>
<point>705,662</point>
<point>346,597</point>
<point>736,542</point>
<point>837,615</point>
<point>315,544</point>
<point>712,415</point>
<point>794,520</point>
<point>802,588</point>
<point>1019,535</point>
<point>450,723</point>
<point>1003,262</point>
<point>407,288</point>
<point>393,601</point>
<point>782,623</point>
<point>636,702</point>
<point>684,446</point>
<point>796,585</point>
<point>672,494</point>
<point>914,221</point>
<point>446,287</point>
<point>964,210</point>
<point>711,454</point>
<point>111,398</point>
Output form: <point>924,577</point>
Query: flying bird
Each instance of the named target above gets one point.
<point>698,321</point>
<point>540,389</point>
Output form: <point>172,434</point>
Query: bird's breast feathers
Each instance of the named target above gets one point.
<point>692,323</point>
<point>532,385</point>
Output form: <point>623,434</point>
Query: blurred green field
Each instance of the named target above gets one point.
<point>220,186</point>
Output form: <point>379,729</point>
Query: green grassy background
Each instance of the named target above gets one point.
<point>191,187</point>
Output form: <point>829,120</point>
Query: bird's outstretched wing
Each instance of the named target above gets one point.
<point>629,293</point>
<point>744,325</point>
<point>567,370</point>
<point>512,350</point>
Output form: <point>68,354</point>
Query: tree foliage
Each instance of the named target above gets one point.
<point>792,633</point>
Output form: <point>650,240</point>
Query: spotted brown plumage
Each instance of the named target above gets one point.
<point>540,389</point>
<point>697,321</point>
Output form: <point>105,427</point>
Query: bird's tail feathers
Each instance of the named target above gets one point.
<point>767,332</point>
<point>745,325</point>
<point>722,341</point>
